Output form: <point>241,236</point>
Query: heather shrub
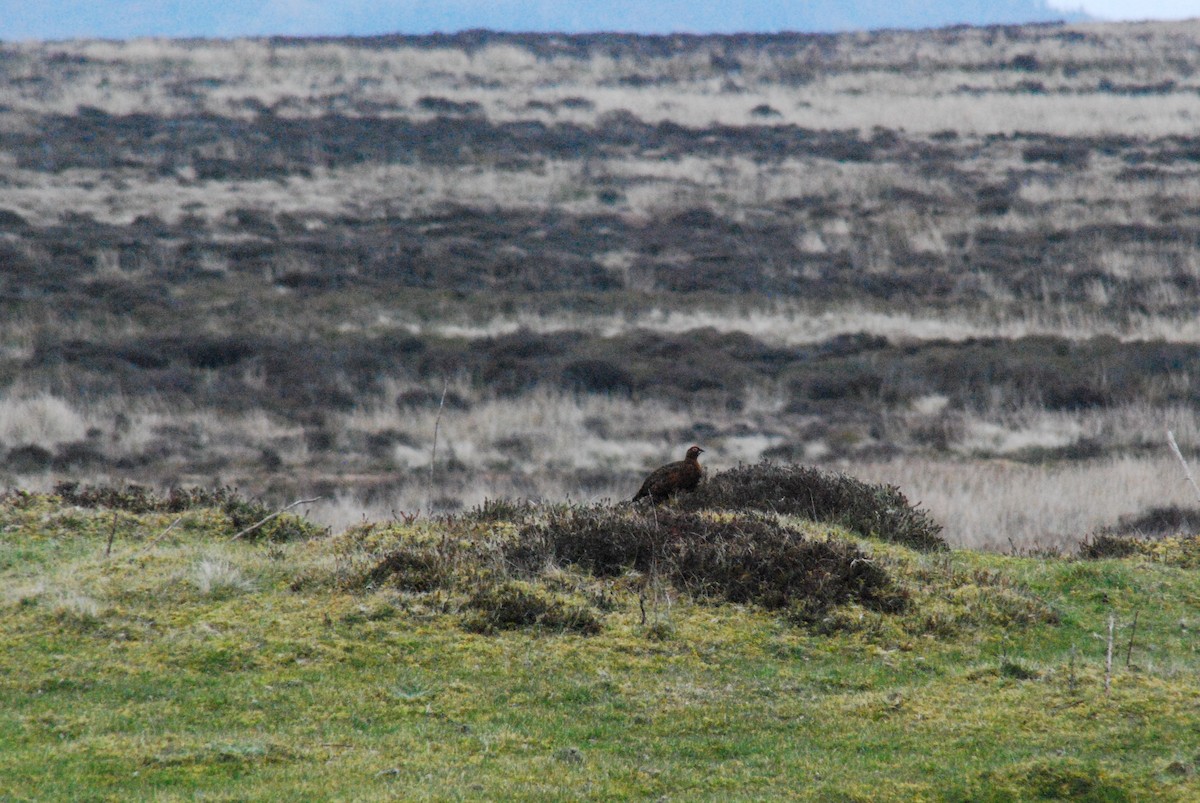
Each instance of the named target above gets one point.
<point>744,558</point>
<point>509,565</point>
<point>876,511</point>
<point>1106,545</point>
<point>516,603</point>
<point>414,566</point>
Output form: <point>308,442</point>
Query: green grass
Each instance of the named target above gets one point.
<point>128,677</point>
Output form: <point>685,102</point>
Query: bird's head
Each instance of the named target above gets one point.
<point>693,453</point>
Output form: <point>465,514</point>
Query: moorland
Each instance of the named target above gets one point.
<point>466,290</point>
<point>961,261</point>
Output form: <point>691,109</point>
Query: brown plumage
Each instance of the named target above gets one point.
<point>683,475</point>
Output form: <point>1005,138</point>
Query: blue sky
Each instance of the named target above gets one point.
<point>58,19</point>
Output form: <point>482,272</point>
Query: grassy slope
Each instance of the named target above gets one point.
<point>124,677</point>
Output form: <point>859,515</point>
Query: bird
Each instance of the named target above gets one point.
<point>682,475</point>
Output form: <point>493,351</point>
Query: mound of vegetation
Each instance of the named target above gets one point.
<point>742,558</point>
<point>241,512</point>
<point>458,564</point>
<point>517,603</point>
<point>544,568</point>
<point>876,511</point>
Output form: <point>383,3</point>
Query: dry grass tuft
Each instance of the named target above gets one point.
<point>216,577</point>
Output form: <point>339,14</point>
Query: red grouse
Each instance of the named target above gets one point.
<point>683,475</point>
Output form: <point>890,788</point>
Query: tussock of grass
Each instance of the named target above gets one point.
<point>874,511</point>
<point>242,753</point>
<point>215,577</point>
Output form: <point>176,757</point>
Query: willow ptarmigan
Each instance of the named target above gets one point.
<point>683,475</point>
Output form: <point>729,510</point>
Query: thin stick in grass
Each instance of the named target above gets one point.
<point>1132,633</point>
<point>112,533</point>
<point>1108,659</point>
<point>162,535</point>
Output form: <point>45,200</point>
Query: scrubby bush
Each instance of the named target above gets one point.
<point>878,511</point>
<point>510,565</point>
<point>1106,545</point>
<point>1063,152</point>
<point>745,558</point>
<point>431,398</point>
<point>133,498</point>
<point>415,566</point>
<point>439,105</point>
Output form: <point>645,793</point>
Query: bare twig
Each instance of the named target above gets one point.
<point>1132,633</point>
<point>162,535</point>
<point>279,512</point>
<point>111,535</point>
<point>1187,472</point>
<point>1112,620</point>
<point>433,452</point>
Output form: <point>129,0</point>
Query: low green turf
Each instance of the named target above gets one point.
<point>191,666</point>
